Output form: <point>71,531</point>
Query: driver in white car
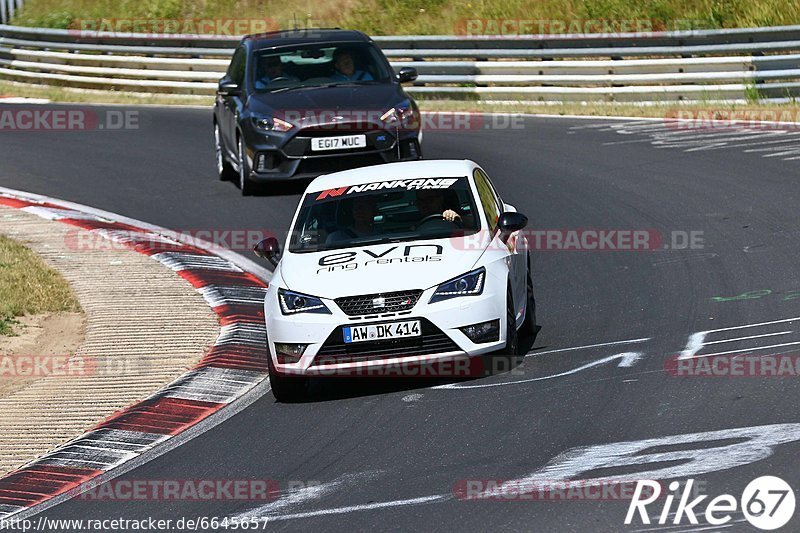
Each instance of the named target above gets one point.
<point>431,202</point>
<point>364,209</point>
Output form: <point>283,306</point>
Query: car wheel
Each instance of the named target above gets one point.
<point>512,335</point>
<point>286,388</point>
<point>245,185</point>
<point>225,171</point>
<point>529,327</point>
<point>504,359</point>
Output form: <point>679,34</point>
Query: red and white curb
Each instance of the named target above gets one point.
<point>231,370</point>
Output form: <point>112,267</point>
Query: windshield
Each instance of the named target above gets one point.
<point>384,211</point>
<point>315,66</point>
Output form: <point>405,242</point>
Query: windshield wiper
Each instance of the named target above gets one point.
<point>291,88</point>
<point>377,240</point>
<point>325,85</point>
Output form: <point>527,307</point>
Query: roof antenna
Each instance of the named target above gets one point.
<point>296,27</point>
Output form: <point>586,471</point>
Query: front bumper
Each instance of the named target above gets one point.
<point>441,339</point>
<point>278,156</point>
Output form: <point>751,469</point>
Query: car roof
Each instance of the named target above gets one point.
<point>432,168</point>
<point>304,36</point>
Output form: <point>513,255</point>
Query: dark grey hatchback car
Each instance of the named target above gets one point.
<point>301,103</point>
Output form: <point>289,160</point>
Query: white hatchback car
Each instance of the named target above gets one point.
<point>403,263</point>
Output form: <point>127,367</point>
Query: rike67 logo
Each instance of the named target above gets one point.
<point>767,503</point>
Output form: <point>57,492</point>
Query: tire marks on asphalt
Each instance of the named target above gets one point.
<point>771,140</point>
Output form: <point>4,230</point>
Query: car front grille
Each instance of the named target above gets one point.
<point>387,302</point>
<point>432,341</point>
<point>300,144</point>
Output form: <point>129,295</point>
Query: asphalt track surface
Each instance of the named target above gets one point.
<point>389,455</point>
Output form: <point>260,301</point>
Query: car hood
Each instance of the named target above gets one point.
<point>378,97</point>
<point>378,268</point>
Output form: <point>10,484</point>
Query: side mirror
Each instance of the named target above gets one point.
<point>407,74</point>
<point>509,222</point>
<point>268,249</point>
<point>227,87</point>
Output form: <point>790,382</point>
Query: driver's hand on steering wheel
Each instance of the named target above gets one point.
<point>450,215</point>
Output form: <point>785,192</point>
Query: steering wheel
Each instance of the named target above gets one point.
<point>438,216</point>
<point>280,78</point>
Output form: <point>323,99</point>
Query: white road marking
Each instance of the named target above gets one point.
<point>779,141</point>
<point>677,529</point>
<point>782,321</point>
<point>294,497</point>
<point>614,343</point>
<point>748,338</point>
<point>757,348</point>
<point>305,494</point>
<point>697,340</point>
<point>693,454</point>
<point>671,135</point>
<point>627,359</point>
<point>364,507</point>
<point>412,398</point>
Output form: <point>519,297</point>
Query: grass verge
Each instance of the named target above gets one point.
<point>441,17</point>
<point>28,286</point>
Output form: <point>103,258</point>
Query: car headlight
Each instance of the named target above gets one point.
<point>273,124</point>
<point>470,284</point>
<point>294,302</point>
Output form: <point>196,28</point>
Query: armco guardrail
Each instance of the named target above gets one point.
<point>686,65</point>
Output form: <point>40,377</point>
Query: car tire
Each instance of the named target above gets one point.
<point>225,171</point>
<point>512,335</point>
<point>504,359</point>
<point>529,326</point>
<point>285,389</point>
<point>245,185</point>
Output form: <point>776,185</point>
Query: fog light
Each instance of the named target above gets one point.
<point>266,162</point>
<point>483,332</point>
<point>289,354</point>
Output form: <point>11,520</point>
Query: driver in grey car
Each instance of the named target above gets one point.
<point>271,69</point>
